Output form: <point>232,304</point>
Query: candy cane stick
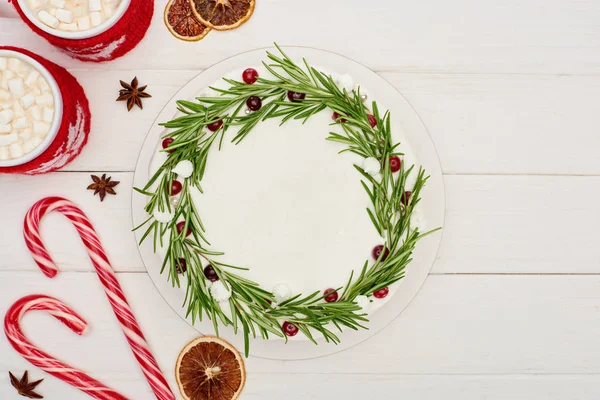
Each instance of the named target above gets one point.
<point>113,290</point>
<point>43,360</point>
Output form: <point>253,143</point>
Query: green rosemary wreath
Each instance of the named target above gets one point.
<point>250,305</point>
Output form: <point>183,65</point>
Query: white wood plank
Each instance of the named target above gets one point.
<point>279,386</point>
<point>111,218</point>
<point>456,325</point>
<point>503,124</point>
<point>465,36</point>
<point>508,224</point>
<point>483,124</point>
<point>494,224</point>
<point>382,386</point>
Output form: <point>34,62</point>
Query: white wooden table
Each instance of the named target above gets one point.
<point>510,92</point>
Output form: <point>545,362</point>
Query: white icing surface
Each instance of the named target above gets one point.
<point>27,108</point>
<point>284,204</point>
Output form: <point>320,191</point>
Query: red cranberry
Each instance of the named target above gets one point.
<point>166,143</point>
<point>395,163</point>
<point>336,117</point>
<point>181,266</point>
<point>381,293</point>
<point>332,295</point>
<point>215,125</point>
<point>405,198</point>
<point>377,252</point>
<point>210,273</point>
<point>176,188</point>
<point>250,76</point>
<point>180,226</point>
<point>290,329</point>
<point>295,97</point>
<point>254,103</point>
<point>372,120</point>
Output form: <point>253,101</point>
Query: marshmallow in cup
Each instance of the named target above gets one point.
<point>74,19</point>
<point>31,108</point>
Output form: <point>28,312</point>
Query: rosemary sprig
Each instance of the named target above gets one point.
<point>249,306</point>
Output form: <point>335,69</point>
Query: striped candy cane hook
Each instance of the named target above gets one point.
<point>113,290</point>
<point>43,360</point>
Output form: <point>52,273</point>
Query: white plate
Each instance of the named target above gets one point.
<point>407,127</point>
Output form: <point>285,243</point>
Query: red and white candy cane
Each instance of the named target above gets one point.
<point>113,290</point>
<point>43,360</point>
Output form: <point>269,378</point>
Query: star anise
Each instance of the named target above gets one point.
<point>24,387</point>
<point>103,185</point>
<point>132,93</point>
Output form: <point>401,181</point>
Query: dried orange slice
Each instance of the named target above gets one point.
<point>210,368</point>
<point>223,15</point>
<point>180,19</point>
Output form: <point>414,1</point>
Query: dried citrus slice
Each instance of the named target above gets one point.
<point>210,368</point>
<point>180,19</point>
<point>223,15</point>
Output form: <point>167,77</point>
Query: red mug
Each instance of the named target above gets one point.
<point>55,124</point>
<point>108,40</point>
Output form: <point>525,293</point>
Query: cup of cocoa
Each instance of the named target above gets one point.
<point>89,30</point>
<point>44,114</point>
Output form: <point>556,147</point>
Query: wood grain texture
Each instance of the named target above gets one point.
<point>494,224</point>
<point>480,124</point>
<point>511,36</point>
<point>509,92</point>
<point>472,333</point>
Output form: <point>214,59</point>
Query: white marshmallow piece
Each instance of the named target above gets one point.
<point>4,153</point>
<point>15,150</point>
<point>68,27</point>
<point>25,135</point>
<point>36,141</point>
<point>58,3</point>
<point>16,87</point>
<point>282,292</point>
<point>65,16</point>
<point>4,95</point>
<point>371,166</point>
<point>5,129</point>
<point>108,11</point>
<point>6,116</point>
<point>40,127</point>
<point>219,292</point>
<point>27,147</point>
<point>35,4</point>
<point>83,23</point>
<point>21,123</point>
<point>36,113</point>
<point>346,82</point>
<point>14,64</point>
<point>7,140</point>
<point>163,216</point>
<point>363,302</point>
<point>16,107</point>
<point>6,76</point>
<point>48,19</point>
<point>95,18</point>
<point>44,100</point>
<point>3,63</point>
<point>184,169</point>
<point>32,78</point>
<point>95,5</point>
<point>48,114</point>
<point>27,100</point>
<point>43,84</point>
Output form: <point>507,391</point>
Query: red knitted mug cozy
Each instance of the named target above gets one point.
<point>74,128</point>
<point>113,43</point>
